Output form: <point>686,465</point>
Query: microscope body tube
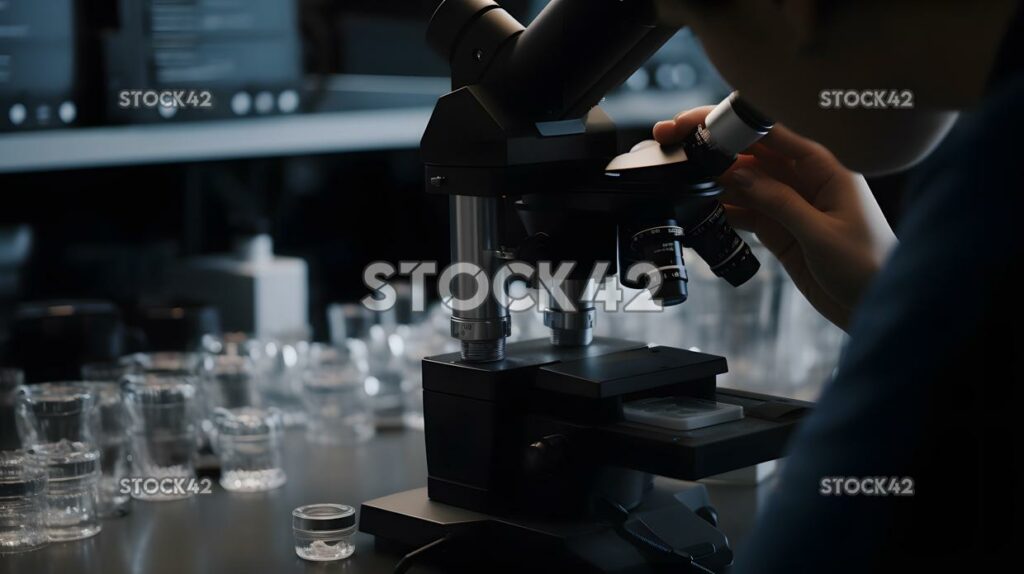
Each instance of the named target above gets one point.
<point>483,328</point>
<point>561,65</point>
<point>576,51</point>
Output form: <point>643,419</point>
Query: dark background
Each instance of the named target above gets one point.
<point>109,232</point>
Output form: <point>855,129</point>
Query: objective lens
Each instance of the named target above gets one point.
<point>659,245</point>
<point>721,247</point>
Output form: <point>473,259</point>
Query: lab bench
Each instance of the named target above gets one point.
<point>227,532</point>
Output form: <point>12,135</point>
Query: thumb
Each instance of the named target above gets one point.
<point>676,130</point>
<point>751,188</point>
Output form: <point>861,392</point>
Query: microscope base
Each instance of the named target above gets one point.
<point>409,520</point>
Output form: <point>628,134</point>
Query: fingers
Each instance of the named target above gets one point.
<point>773,165</point>
<point>772,235</point>
<point>812,163</point>
<point>672,131</point>
<point>790,255</point>
<point>751,188</point>
<point>741,218</point>
<point>800,165</point>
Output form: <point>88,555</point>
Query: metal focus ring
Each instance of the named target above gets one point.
<point>672,231</point>
<point>739,249</point>
<point>570,320</point>
<point>481,329</point>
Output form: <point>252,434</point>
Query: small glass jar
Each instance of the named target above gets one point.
<point>50,412</point>
<point>323,532</point>
<point>22,502</point>
<point>10,380</point>
<point>162,361</point>
<point>113,442</point>
<point>104,371</point>
<point>161,411</point>
<point>229,382</point>
<point>73,471</point>
<point>335,397</point>
<point>248,444</point>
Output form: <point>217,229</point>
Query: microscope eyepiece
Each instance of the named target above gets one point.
<point>731,127</point>
<point>749,114</point>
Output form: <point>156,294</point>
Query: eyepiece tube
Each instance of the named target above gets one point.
<point>562,64</point>
<point>733,125</point>
<point>450,21</point>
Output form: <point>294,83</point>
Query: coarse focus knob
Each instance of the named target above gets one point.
<point>547,455</point>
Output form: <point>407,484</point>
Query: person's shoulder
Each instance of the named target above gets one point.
<point>983,149</point>
<point>960,228</point>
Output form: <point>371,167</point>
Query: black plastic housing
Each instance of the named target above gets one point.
<point>483,423</point>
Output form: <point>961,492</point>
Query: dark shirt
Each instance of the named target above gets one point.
<point>929,387</point>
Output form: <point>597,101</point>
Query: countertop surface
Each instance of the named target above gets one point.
<point>226,532</point>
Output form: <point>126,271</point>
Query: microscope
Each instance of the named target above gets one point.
<point>542,453</point>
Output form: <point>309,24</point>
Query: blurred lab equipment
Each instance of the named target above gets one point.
<point>50,340</point>
<point>385,352</point>
<point>373,335</point>
<point>277,369</point>
<point>104,371</point>
<point>175,326</point>
<point>39,85</point>
<point>426,338</point>
<point>394,343</point>
<point>347,321</point>
<point>255,290</point>
<point>777,342</point>
<point>336,395</point>
<point>239,58</point>
<point>16,245</point>
<point>136,363</point>
<point>10,380</point>
<point>228,381</point>
<point>111,439</point>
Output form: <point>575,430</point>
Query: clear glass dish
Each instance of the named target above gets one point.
<point>323,532</point>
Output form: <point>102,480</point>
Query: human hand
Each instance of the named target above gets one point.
<point>817,217</point>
